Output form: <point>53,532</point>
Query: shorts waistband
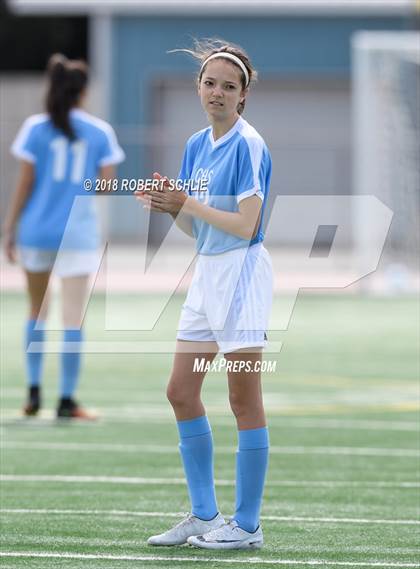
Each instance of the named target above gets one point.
<point>235,252</point>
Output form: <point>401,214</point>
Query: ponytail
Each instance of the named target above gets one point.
<point>67,79</point>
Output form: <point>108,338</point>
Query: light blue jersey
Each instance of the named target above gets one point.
<point>61,167</point>
<point>236,166</point>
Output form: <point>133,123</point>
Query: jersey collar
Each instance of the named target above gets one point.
<point>78,112</point>
<point>225,137</point>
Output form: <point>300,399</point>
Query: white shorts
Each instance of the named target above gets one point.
<point>71,263</point>
<point>229,300</point>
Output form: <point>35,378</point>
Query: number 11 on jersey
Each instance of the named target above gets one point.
<point>60,146</point>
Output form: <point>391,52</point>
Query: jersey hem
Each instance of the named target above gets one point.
<point>110,160</point>
<point>23,155</point>
<point>248,244</point>
<point>254,191</point>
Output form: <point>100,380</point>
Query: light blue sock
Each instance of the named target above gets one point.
<point>251,467</point>
<point>196,447</point>
<point>34,359</point>
<point>70,362</point>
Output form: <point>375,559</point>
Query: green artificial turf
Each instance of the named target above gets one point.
<point>342,487</point>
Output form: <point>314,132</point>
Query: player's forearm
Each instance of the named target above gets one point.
<point>17,203</point>
<point>184,222</point>
<point>236,223</point>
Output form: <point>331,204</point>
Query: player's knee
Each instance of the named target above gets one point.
<point>38,311</point>
<point>240,404</point>
<point>177,395</point>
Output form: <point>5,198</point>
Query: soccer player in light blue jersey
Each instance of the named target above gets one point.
<point>228,302</point>
<point>58,150</point>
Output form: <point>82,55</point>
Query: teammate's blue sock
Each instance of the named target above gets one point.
<point>70,363</point>
<point>196,449</point>
<point>251,467</point>
<point>34,359</point>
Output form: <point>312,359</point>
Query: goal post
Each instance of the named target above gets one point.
<point>386,141</point>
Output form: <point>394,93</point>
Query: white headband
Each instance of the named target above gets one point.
<point>233,58</point>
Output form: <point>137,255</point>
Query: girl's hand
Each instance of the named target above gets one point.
<point>10,246</point>
<point>141,196</point>
<point>167,200</point>
<point>164,200</point>
<point>144,195</point>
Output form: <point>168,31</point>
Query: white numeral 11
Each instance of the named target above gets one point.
<point>60,147</point>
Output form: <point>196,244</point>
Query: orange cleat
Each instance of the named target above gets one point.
<point>33,405</point>
<point>69,409</point>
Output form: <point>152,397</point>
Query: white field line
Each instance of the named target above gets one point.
<point>227,419</point>
<point>142,413</point>
<point>369,425</point>
<point>162,347</point>
<point>155,389</point>
<point>242,560</point>
<point>110,402</point>
<point>181,481</point>
<point>276,421</point>
<point>128,513</point>
<point>165,449</point>
<point>12,539</point>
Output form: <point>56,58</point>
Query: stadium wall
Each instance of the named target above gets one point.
<point>292,54</point>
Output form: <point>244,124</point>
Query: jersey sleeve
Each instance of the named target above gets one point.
<point>25,145</point>
<point>252,169</point>
<point>110,151</point>
<point>185,171</point>
<point>187,165</point>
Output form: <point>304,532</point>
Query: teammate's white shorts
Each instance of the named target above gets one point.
<point>68,263</point>
<point>229,300</point>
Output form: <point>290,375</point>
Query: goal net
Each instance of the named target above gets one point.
<point>386,108</point>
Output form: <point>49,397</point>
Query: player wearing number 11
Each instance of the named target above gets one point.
<point>58,150</point>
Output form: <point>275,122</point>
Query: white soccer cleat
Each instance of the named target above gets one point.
<point>229,536</point>
<point>188,527</point>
